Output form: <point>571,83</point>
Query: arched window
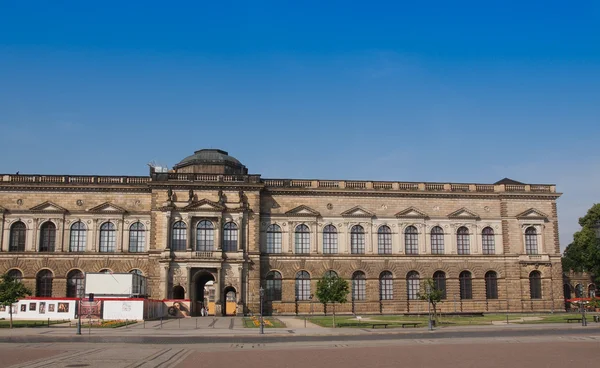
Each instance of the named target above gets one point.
<point>17,275</point>
<point>331,274</point>
<point>178,292</point>
<point>413,285</point>
<point>462,241</point>
<point>491,285</point>
<point>466,285</point>
<point>47,237</point>
<point>44,283</point>
<point>273,285</point>
<point>359,286</point>
<point>531,243</point>
<point>487,241</point>
<point>17,237</point>
<point>273,239</point>
<point>137,237</point>
<point>302,285</point>
<point>75,287</point>
<point>107,237</point>
<point>357,240</point>
<point>205,236</point>
<point>535,285</point>
<point>179,237</point>
<point>138,282</point>
<point>579,291</point>
<point>386,286</point>
<point>105,270</point>
<point>384,240</point>
<point>302,239</point>
<point>411,240</point>
<point>78,237</point>
<point>437,240</point>
<point>330,240</point>
<point>230,237</point>
<point>439,280</point>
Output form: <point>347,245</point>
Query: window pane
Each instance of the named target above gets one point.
<point>386,286</point>
<point>107,237</point>
<point>491,285</point>
<point>330,240</point>
<point>302,239</point>
<point>302,285</point>
<point>137,238</point>
<point>273,286</point>
<point>531,246</point>
<point>357,240</point>
<point>17,237</point>
<point>535,285</point>
<point>78,237</point>
<point>487,241</point>
<point>44,283</point>
<point>384,240</point>
<point>466,288</point>
<point>439,279</point>
<point>274,239</point>
<point>411,240</point>
<point>359,285</point>
<point>437,240</point>
<point>413,285</point>
<point>47,237</point>
<point>230,237</point>
<point>205,236</point>
<point>179,237</point>
<point>462,241</point>
<point>75,287</point>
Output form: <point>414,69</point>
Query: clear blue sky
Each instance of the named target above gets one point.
<point>416,91</point>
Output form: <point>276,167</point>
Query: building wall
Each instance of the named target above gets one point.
<point>254,204</point>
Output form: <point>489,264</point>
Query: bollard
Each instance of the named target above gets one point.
<point>179,320</point>
<point>196,323</point>
<point>160,321</point>
<point>48,322</point>
<point>126,324</point>
<point>304,321</point>
<point>214,321</point>
<point>144,323</point>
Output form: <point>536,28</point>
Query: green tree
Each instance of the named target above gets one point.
<point>583,254</point>
<point>11,290</point>
<point>332,290</point>
<point>434,296</point>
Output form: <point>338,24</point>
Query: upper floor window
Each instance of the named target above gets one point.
<point>78,237</point>
<point>487,241</point>
<point>205,236</point>
<point>384,240</point>
<point>359,286</point>
<point>43,284</point>
<point>437,240</point>
<point>330,240</point>
<point>75,287</point>
<point>491,285</point>
<point>531,243</point>
<point>138,281</point>
<point>302,285</point>
<point>331,274</point>
<point>466,285</point>
<point>302,239</point>
<point>17,237</point>
<point>439,280</point>
<point>273,285</point>
<point>230,237</point>
<point>535,285</point>
<point>413,285</point>
<point>108,237</point>
<point>357,240</point>
<point>179,237</point>
<point>273,239</point>
<point>462,241</point>
<point>47,237</point>
<point>386,286</point>
<point>411,240</point>
<point>137,237</point>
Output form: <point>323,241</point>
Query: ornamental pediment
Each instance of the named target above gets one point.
<point>204,205</point>
<point>302,211</point>
<point>47,206</point>
<point>532,213</point>
<point>107,207</point>
<point>357,211</point>
<point>463,213</point>
<point>411,212</point>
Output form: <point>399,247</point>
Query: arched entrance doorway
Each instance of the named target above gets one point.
<point>204,295</point>
<point>178,292</point>
<point>230,301</point>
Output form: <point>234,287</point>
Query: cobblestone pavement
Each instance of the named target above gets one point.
<point>545,351</point>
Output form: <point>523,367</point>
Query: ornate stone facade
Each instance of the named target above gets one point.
<point>495,245</point>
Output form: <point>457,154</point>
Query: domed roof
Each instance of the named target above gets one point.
<point>212,157</point>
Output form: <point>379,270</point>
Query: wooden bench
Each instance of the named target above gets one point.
<point>414,324</point>
<point>374,325</point>
<point>569,320</point>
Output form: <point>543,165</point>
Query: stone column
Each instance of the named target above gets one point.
<point>2,234</point>
<point>190,242</point>
<point>165,270</point>
<point>34,236</point>
<point>167,231</point>
<point>217,285</point>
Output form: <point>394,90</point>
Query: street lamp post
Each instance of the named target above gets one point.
<point>583,321</point>
<point>262,323</point>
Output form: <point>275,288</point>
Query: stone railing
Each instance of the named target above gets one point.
<point>214,178</point>
<point>72,179</point>
<point>406,186</point>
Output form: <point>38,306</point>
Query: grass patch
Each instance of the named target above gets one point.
<point>270,322</point>
<point>25,323</point>
<point>107,324</point>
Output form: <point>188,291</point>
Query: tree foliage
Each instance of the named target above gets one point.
<point>11,291</point>
<point>583,254</point>
<point>332,290</point>
<point>434,296</point>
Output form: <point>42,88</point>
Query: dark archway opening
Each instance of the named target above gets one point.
<point>178,292</point>
<point>230,301</point>
<point>201,297</point>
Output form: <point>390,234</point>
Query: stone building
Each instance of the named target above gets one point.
<point>491,247</point>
